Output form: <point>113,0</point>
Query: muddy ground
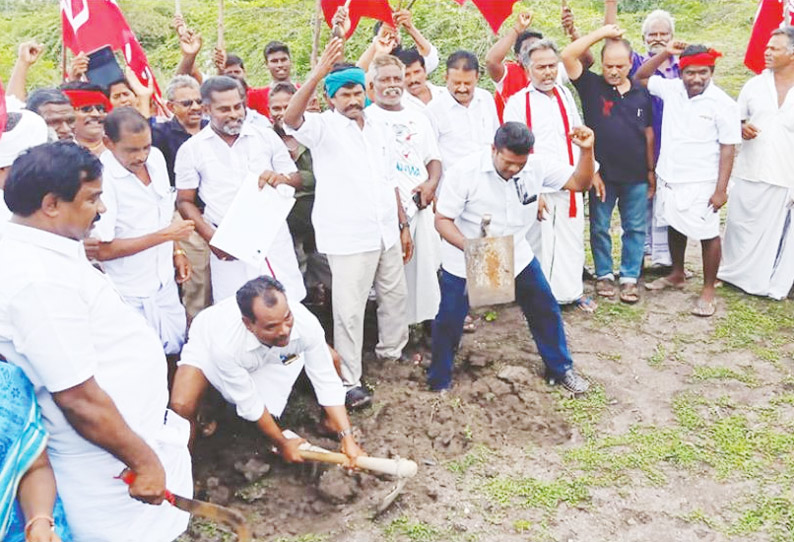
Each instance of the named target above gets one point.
<point>687,435</point>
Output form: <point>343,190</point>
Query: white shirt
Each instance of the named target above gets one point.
<point>412,146</point>
<point>205,162</point>
<point>769,158</point>
<point>547,125</point>
<point>355,206</point>
<point>220,341</point>
<point>136,210</point>
<point>462,131</point>
<point>431,60</point>
<point>562,77</point>
<point>693,130</point>
<point>473,188</point>
<point>62,322</point>
<point>409,100</point>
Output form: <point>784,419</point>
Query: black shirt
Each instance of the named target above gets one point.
<point>619,122</point>
<point>168,137</point>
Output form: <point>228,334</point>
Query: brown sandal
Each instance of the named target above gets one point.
<point>629,293</point>
<point>605,287</point>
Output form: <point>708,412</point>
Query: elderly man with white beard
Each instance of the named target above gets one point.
<point>415,162</point>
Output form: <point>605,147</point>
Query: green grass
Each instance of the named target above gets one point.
<point>659,355</point>
<point>584,412</point>
<point>415,531</point>
<point>704,372</point>
<point>477,456</point>
<point>528,492</point>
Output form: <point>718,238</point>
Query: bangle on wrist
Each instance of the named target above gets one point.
<point>34,519</point>
<point>179,252</point>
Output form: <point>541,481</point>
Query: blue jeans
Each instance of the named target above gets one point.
<point>632,200</point>
<point>541,310</point>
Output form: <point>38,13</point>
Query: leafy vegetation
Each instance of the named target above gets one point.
<point>250,24</point>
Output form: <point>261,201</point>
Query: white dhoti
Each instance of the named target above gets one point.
<point>558,244</point>
<point>99,508</point>
<point>165,314</point>
<point>228,276</point>
<point>758,250</point>
<point>685,208</point>
<point>656,244</point>
<point>421,272</point>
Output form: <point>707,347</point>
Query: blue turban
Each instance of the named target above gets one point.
<point>336,80</point>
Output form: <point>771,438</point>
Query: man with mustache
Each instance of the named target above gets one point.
<point>759,243</point>
<point>658,29</point>
<point>503,181</point>
<point>464,118</point>
<point>415,163</point>
<point>279,64</point>
<point>91,106</point>
<point>358,218</point>
<point>183,99</point>
<point>700,130</point>
<point>549,110</point>
<point>98,369</point>
<point>420,91</point>
<point>138,236</point>
<point>620,113</point>
<point>252,348</point>
<point>213,164</point>
<point>55,108</point>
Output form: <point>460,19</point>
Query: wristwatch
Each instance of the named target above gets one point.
<point>345,432</point>
<point>403,225</point>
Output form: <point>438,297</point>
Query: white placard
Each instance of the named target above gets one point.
<point>254,218</point>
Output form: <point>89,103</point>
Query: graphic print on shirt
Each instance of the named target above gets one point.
<point>606,106</point>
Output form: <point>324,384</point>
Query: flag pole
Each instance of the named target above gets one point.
<point>177,7</point>
<point>410,5</point>
<point>318,9</point>
<point>221,41</point>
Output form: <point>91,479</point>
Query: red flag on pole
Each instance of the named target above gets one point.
<point>89,25</point>
<point>3,110</point>
<point>771,14</point>
<point>374,9</point>
<point>494,11</point>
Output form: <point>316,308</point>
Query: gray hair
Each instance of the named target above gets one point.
<point>180,81</point>
<point>787,31</point>
<point>658,15</point>
<point>220,83</point>
<point>525,56</point>
<point>382,61</point>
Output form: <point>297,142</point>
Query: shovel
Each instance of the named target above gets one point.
<point>489,268</point>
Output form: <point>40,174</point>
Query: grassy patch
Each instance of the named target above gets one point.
<point>530,492</point>
<point>414,531</point>
<point>759,325</point>
<point>659,355</point>
<point>584,412</point>
<point>614,314</point>
<point>705,372</point>
<point>477,456</point>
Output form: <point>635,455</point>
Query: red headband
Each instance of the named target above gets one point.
<point>701,59</point>
<point>82,98</point>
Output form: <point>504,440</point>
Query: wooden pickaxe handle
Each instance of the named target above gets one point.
<point>401,468</point>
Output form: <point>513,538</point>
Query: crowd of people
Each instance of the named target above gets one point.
<point>118,314</point>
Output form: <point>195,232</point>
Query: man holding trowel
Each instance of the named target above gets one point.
<point>252,349</point>
<point>504,181</point>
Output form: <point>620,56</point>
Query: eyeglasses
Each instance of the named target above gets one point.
<point>523,195</point>
<point>88,108</point>
<point>188,103</point>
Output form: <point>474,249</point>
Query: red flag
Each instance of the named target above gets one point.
<point>770,16</point>
<point>374,9</point>
<point>91,24</point>
<point>494,11</point>
<point>3,111</point>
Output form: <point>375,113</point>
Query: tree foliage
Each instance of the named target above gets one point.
<point>250,24</point>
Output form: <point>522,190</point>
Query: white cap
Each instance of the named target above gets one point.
<point>31,130</point>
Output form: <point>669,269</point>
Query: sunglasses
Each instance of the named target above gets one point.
<point>188,103</point>
<point>88,108</point>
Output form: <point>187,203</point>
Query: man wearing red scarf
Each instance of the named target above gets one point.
<point>700,130</point>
